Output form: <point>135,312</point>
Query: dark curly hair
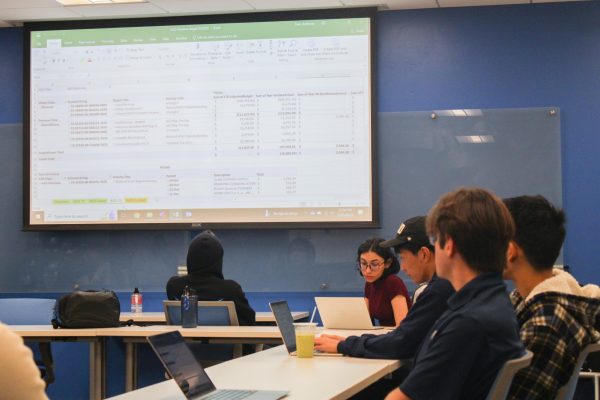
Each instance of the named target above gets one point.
<point>373,244</point>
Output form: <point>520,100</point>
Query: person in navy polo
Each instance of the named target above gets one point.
<point>467,346</point>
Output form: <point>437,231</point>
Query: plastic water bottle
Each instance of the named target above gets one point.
<point>136,301</point>
<point>189,309</point>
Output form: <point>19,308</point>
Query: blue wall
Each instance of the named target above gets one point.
<point>473,57</point>
<point>482,57</point>
<point>11,75</point>
<point>510,56</point>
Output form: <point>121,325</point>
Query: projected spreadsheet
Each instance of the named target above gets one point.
<point>184,122</point>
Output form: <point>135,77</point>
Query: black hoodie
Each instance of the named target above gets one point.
<point>205,277</point>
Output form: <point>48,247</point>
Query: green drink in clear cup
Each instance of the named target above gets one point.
<point>305,338</point>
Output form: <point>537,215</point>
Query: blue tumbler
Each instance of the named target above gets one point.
<point>189,309</point>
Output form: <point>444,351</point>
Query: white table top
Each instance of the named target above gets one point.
<point>150,316</point>
<point>49,331</point>
<point>260,332</point>
<point>159,317</point>
<point>273,369</point>
<point>230,332</point>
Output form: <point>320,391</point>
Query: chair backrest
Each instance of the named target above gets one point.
<point>210,313</point>
<point>27,311</point>
<point>506,374</point>
<point>568,391</point>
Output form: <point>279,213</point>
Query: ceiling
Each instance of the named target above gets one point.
<point>15,12</point>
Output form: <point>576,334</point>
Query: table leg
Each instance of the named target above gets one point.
<point>130,366</point>
<point>97,369</point>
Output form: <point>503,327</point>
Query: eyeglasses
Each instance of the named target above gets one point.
<point>373,265</point>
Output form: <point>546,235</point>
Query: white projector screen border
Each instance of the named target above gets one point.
<point>297,192</point>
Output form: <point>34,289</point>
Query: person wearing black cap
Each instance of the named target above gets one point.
<point>418,262</point>
<point>416,254</point>
<point>205,277</point>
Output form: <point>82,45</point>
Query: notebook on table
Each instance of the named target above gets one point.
<point>180,363</point>
<point>285,323</point>
<point>344,313</point>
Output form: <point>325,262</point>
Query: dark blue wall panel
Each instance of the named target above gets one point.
<point>11,75</point>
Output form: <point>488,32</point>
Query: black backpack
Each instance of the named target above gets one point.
<point>87,309</point>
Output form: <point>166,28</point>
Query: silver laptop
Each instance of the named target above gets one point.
<point>285,323</point>
<point>344,313</point>
<point>180,363</point>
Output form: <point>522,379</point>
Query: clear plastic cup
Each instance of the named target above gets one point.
<point>305,338</point>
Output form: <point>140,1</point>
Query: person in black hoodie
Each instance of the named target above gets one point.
<point>205,277</point>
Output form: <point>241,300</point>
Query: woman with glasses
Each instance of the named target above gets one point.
<point>385,293</point>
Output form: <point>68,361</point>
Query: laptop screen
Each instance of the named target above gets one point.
<point>344,313</point>
<point>179,361</point>
<point>285,322</point>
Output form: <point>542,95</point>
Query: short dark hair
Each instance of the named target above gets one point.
<point>413,247</point>
<point>373,244</point>
<point>479,224</point>
<point>540,229</point>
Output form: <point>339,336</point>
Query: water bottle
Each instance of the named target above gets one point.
<point>189,309</point>
<point>136,301</point>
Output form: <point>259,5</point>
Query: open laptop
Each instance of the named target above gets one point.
<point>285,323</point>
<point>344,313</point>
<point>180,363</point>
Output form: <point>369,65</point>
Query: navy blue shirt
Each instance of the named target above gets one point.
<point>467,346</point>
<point>403,342</point>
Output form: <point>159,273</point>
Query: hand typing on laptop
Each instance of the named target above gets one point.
<point>327,343</point>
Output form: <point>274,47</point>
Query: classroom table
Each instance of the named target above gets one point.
<point>133,335</point>
<point>159,317</point>
<point>274,369</point>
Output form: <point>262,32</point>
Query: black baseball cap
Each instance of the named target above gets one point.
<point>410,231</point>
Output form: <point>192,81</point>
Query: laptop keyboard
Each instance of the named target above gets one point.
<point>229,394</point>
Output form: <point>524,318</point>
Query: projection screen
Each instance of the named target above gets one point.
<point>249,120</point>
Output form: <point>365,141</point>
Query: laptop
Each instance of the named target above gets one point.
<point>180,363</point>
<point>344,313</point>
<point>285,323</point>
